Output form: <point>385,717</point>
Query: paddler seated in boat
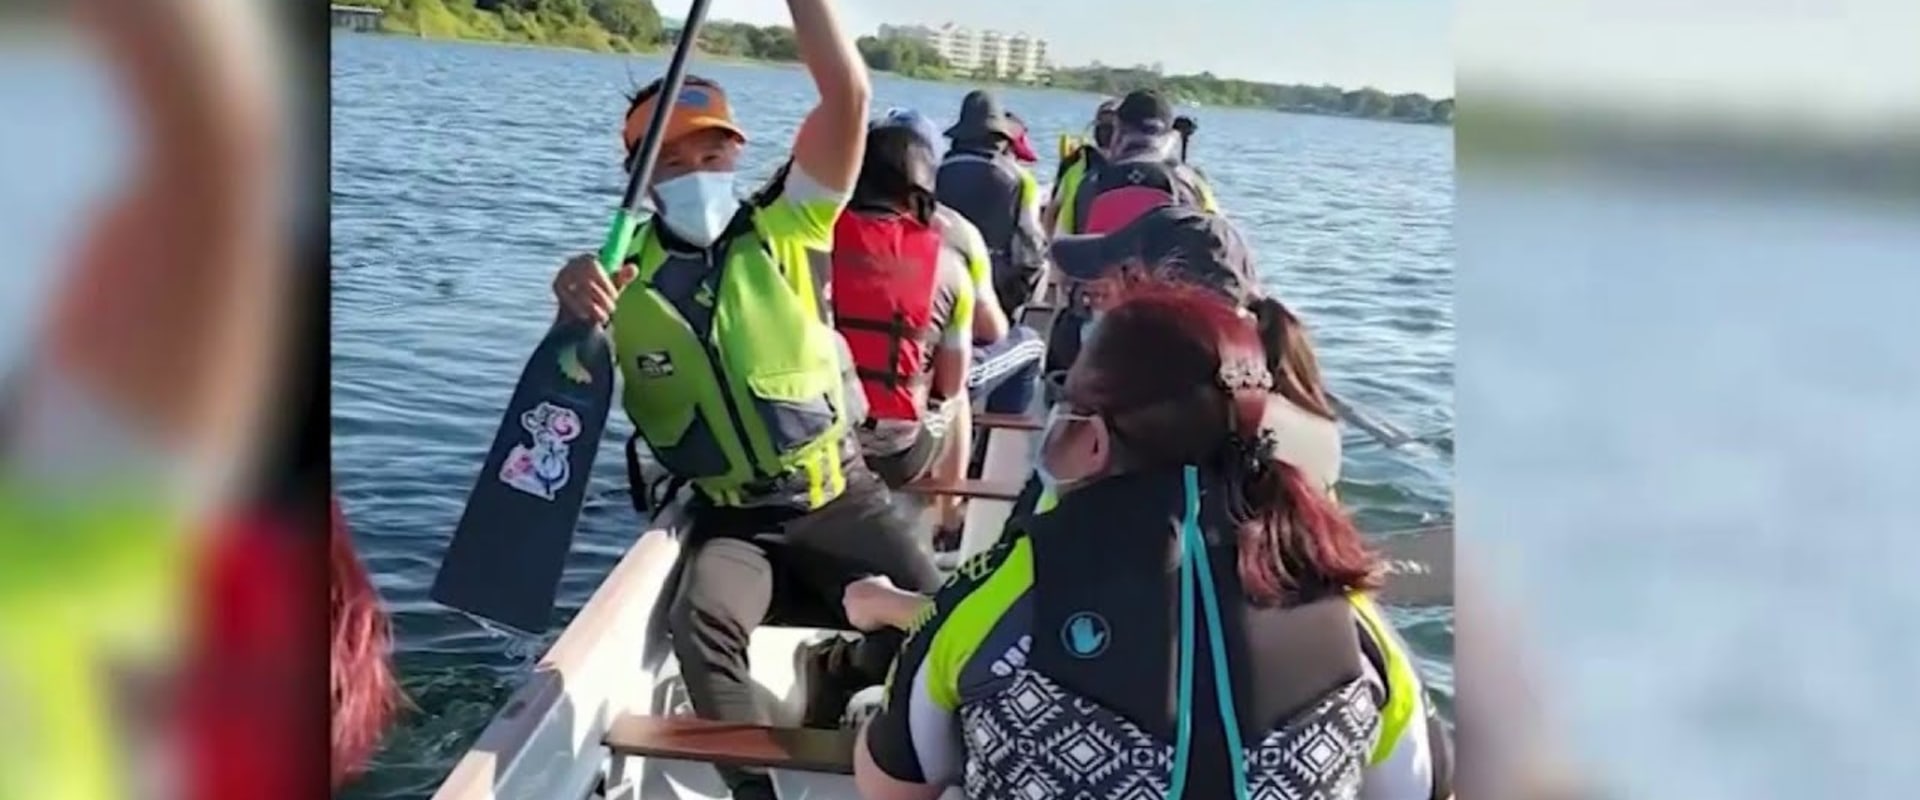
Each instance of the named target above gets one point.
<point>131,403</point>
<point>904,299</point>
<point>1083,156</point>
<point>1227,581</point>
<point>733,375</point>
<point>981,179</point>
<point>1140,169</point>
<point>1205,250</point>
<point>1005,369</point>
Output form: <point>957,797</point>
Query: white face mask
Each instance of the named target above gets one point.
<point>1087,328</point>
<point>697,205</point>
<point>1057,420</point>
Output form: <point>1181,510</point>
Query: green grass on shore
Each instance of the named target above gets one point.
<point>437,19</point>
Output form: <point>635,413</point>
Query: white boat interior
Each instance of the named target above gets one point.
<point>604,714</point>
<point>587,722</point>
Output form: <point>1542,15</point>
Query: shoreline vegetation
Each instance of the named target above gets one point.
<point>635,26</point>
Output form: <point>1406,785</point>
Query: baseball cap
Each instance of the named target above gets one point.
<point>1146,110</point>
<point>914,121</point>
<point>1178,242</point>
<point>700,105</point>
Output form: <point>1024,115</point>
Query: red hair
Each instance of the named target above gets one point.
<point>365,692</point>
<point>1182,377</point>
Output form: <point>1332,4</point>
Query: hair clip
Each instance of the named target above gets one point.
<point>1244,374</point>
<point>1255,451</point>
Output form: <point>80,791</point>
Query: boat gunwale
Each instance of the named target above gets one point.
<point>491,760</point>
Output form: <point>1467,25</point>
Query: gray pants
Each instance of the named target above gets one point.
<point>748,567</point>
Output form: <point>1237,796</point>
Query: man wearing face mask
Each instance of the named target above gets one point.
<point>734,376</point>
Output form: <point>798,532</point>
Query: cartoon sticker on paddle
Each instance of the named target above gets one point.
<point>541,469</point>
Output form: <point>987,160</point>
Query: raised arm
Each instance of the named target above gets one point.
<point>834,134</point>
<point>168,345</point>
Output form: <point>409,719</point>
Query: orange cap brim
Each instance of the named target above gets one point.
<point>680,122</point>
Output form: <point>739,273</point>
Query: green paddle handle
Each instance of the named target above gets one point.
<point>619,241</point>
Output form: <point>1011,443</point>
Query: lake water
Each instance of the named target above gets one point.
<point>463,175</point>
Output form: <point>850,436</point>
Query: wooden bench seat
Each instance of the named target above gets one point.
<point>975,488</point>
<point>732,744</point>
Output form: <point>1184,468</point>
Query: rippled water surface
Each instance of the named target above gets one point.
<point>464,174</point>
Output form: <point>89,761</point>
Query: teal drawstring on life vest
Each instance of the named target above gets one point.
<point>1193,551</point>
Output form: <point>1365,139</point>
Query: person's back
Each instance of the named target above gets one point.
<point>1140,170</point>
<point>981,179</point>
<point>1228,614</point>
<point>1006,358</point>
<point>903,299</point>
<point>886,278</point>
<point>1076,164</point>
<point>1321,672</point>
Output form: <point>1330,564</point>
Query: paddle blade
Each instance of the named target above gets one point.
<point>1419,566</point>
<point>505,560</point>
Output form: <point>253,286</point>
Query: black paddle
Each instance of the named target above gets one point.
<point>507,554</point>
<point>1386,433</point>
<point>1185,126</point>
<point>1419,565</point>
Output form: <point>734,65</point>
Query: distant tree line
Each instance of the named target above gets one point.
<point>776,43</point>
<point>909,57</point>
<point>1208,89</point>
<point>636,26</point>
<point>741,40</point>
<point>600,25</point>
<point>626,26</point>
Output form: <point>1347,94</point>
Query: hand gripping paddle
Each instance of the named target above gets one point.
<point>507,554</point>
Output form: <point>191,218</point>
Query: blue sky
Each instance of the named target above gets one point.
<point>1394,45</point>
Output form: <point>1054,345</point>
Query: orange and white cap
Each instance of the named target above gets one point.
<point>698,107</point>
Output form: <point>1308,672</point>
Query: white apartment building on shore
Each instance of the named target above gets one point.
<point>1015,56</point>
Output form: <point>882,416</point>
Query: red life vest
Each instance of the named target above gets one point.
<point>884,271</point>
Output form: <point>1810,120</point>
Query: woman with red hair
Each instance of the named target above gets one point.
<point>365,693</point>
<point>1226,580</point>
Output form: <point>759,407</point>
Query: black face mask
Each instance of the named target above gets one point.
<point>1103,134</point>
